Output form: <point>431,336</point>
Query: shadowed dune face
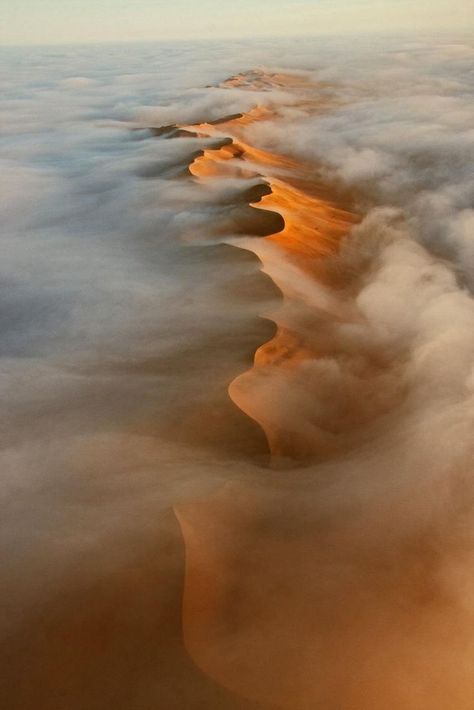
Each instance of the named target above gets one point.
<point>238,426</point>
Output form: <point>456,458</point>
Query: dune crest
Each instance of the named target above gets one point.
<point>314,224</point>
<point>329,586</point>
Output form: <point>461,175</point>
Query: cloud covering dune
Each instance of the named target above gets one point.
<point>237,373</point>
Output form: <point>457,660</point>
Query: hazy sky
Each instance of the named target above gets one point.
<point>49,21</point>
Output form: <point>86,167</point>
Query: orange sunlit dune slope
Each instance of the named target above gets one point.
<point>314,224</point>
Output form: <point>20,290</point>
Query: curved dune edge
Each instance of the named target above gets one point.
<point>314,224</point>
<point>293,257</point>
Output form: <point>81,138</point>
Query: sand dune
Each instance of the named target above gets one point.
<point>255,492</point>
<point>312,226</point>
<point>296,603</point>
<point>261,664</point>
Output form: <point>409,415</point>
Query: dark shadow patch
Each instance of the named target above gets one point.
<point>225,119</point>
<point>172,131</point>
<point>250,221</point>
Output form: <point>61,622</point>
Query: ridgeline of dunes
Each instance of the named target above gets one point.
<point>301,222</point>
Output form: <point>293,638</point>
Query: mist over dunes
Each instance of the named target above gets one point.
<point>237,373</point>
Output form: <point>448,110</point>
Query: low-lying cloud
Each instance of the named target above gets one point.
<point>342,579</point>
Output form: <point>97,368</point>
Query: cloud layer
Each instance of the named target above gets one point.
<point>125,316</point>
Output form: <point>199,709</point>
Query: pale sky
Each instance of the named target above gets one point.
<point>58,21</point>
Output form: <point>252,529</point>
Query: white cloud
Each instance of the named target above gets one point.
<point>122,328</point>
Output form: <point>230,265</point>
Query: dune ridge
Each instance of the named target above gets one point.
<point>330,591</point>
<point>293,256</point>
<point>154,553</point>
<point>314,222</point>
